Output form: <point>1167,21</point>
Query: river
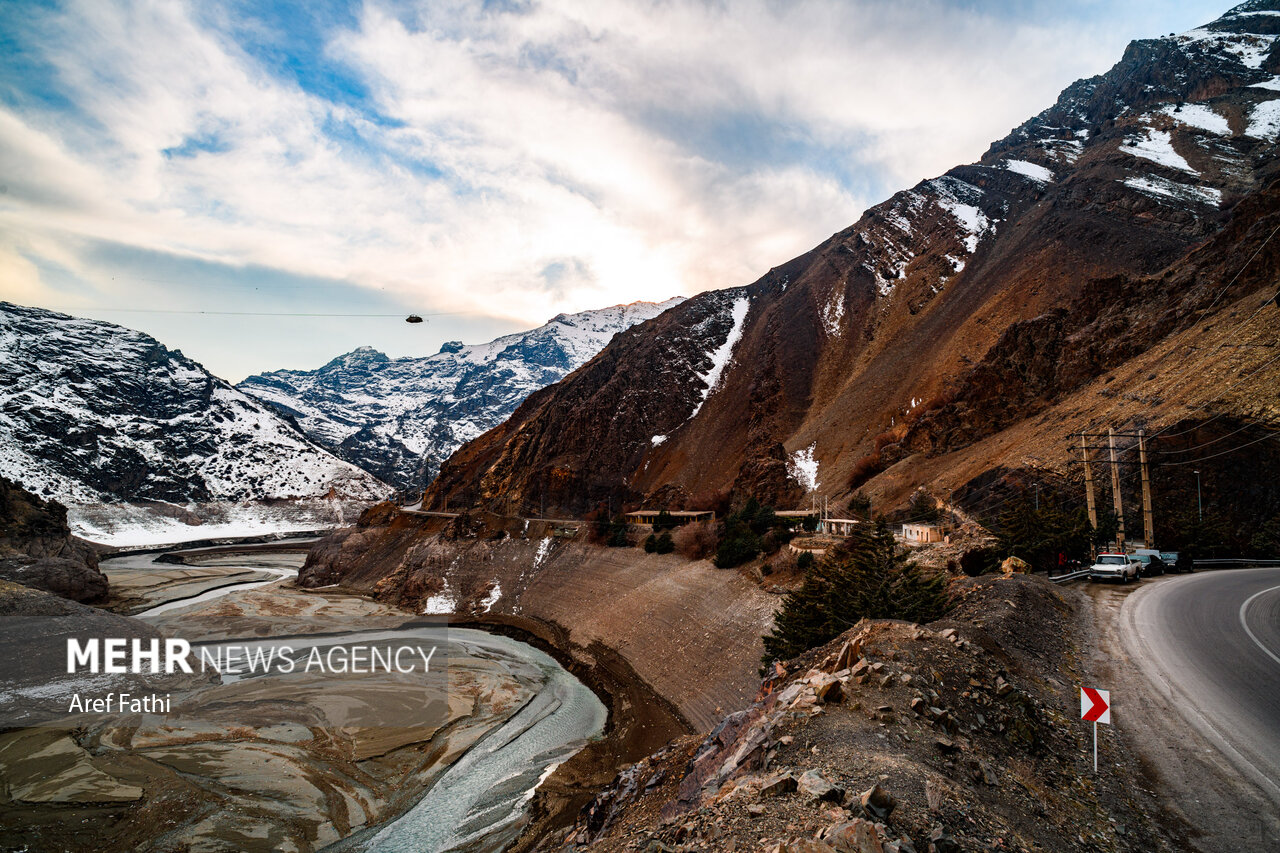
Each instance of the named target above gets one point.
<point>478,804</point>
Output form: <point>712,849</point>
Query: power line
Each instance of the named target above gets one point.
<point>1222,453</point>
<point>254,313</point>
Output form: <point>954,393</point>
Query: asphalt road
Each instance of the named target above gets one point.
<point>1209,644</point>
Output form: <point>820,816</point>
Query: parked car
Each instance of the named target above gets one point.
<point>1178,561</point>
<point>1114,567</point>
<point>1150,563</point>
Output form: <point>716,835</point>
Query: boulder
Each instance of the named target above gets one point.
<point>849,654</point>
<point>801,845</point>
<point>855,836</point>
<point>781,783</point>
<point>817,787</point>
<point>877,802</point>
<point>940,841</point>
<point>826,688</point>
<point>71,579</point>
<point>1015,566</point>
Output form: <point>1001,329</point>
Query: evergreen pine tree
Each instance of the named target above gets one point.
<point>870,578</point>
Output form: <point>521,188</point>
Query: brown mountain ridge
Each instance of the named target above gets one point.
<point>1133,212</point>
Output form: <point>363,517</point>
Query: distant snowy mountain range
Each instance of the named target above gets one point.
<point>401,418</point>
<point>93,414</point>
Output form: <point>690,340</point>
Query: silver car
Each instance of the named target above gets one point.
<point>1114,567</point>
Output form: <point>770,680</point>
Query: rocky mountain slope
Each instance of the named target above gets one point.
<point>1135,209</point>
<point>92,413</point>
<point>401,418</point>
<point>37,549</point>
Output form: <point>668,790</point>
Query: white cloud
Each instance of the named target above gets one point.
<point>662,147</point>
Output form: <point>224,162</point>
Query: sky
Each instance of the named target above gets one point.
<point>309,173</point>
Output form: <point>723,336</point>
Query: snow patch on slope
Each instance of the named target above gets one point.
<point>1153,185</point>
<point>833,313</point>
<point>721,355</point>
<point>492,598</point>
<point>1034,171</point>
<point>803,468</point>
<point>1264,121</point>
<point>1157,146</point>
<point>1199,116</point>
<point>1250,49</point>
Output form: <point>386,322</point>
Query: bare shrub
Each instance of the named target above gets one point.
<point>781,563</point>
<point>865,468</point>
<point>696,541</point>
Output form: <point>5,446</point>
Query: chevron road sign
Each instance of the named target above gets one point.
<point>1095,707</point>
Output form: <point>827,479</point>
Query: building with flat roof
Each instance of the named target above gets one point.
<point>839,526</point>
<point>921,534</point>
<point>649,516</point>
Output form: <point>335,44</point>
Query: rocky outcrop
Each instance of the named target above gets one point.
<point>1015,277</point>
<point>400,418</point>
<point>38,551</point>
<point>942,737</point>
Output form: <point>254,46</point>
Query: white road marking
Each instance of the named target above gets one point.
<point>1244,623</point>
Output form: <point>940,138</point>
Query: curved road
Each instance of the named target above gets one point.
<point>1210,643</point>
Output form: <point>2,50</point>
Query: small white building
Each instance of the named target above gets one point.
<point>921,534</point>
<point>839,526</point>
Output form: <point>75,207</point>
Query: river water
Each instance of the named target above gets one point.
<point>477,805</point>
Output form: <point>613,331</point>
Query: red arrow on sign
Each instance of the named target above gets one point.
<point>1095,705</point>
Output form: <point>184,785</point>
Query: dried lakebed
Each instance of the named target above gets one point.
<point>278,763</point>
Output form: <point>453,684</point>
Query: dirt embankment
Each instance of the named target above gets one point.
<point>959,735</point>
<point>690,631</point>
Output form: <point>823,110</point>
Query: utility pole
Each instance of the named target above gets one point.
<point>1199,503</point>
<point>1088,483</point>
<point>1148,512</point>
<point>1115,490</point>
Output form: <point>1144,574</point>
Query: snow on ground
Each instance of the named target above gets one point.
<point>1034,171</point>
<point>492,598</point>
<point>721,355</point>
<point>1162,187</point>
<point>958,198</point>
<point>1157,146</point>
<point>971,219</point>
<point>833,313</point>
<point>803,468</point>
<point>1250,49</point>
<point>442,603</point>
<point>1199,116</point>
<point>1264,121</point>
<point>1273,84</point>
<point>540,556</point>
<point>657,439</point>
<point>145,526</point>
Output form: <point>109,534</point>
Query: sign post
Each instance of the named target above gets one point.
<point>1095,706</point>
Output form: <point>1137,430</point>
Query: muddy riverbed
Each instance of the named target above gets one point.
<point>326,760</point>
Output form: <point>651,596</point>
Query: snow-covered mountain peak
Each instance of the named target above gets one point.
<point>94,413</point>
<point>400,418</point>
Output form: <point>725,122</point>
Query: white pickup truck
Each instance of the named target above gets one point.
<point>1113,567</point>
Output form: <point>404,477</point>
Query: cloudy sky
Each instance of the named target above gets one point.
<point>488,163</point>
